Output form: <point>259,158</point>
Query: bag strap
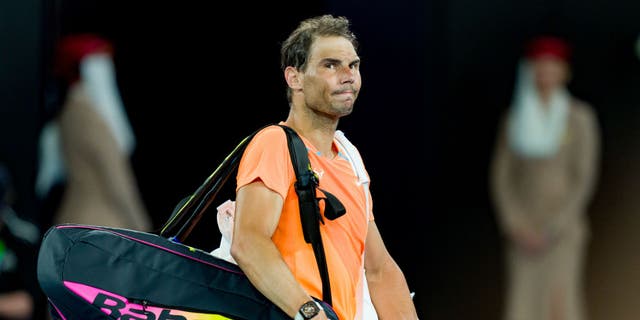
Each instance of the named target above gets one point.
<point>189,210</point>
<point>181,222</point>
<point>305,185</point>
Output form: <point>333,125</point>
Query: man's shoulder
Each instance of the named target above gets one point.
<point>270,134</point>
<point>267,142</point>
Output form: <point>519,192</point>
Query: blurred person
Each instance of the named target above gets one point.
<point>543,175</point>
<point>322,71</point>
<point>19,238</point>
<point>87,144</point>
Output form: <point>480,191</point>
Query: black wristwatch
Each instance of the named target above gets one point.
<point>308,310</point>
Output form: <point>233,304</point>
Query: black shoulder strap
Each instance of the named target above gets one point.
<point>306,184</point>
<point>189,211</point>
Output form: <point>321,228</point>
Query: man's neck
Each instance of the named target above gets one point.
<point>319,131</point>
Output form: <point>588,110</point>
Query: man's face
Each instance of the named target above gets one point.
<point>331,80</point>
<point>549,73</point>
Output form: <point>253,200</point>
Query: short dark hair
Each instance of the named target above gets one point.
<point>295,50</point>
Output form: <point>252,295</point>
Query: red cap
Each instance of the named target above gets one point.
<point>73,48</point>
<point>548,46</point>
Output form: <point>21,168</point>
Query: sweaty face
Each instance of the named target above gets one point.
<point>550,73</point>
<point>331,80</point>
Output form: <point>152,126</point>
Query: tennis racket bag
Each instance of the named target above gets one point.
<point>92,272</point>
<point>96,272</point>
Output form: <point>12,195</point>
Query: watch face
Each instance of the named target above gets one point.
<point>309,310</point>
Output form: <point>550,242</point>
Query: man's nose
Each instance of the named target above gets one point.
<point>347,75</point>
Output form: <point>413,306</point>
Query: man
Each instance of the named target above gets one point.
<point>543,176</point>
<point>321,69</point>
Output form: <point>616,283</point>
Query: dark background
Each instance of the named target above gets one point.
<point>197,77</point>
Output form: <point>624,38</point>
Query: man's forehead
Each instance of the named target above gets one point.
<point>338,48</point>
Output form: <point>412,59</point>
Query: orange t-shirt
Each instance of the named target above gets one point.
<point>267,158</point>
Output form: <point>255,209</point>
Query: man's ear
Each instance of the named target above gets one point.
<point>293,78</point>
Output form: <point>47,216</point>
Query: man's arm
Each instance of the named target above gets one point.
<point>256,218</point>
<point>387,285</point>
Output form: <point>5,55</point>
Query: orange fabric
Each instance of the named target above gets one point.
<point>267,159</point>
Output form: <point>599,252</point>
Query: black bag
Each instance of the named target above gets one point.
<point>95,272</point>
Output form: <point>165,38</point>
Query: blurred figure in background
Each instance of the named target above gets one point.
<point>87,144</point>
<point>19,239</point>
<point>543,174</point>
